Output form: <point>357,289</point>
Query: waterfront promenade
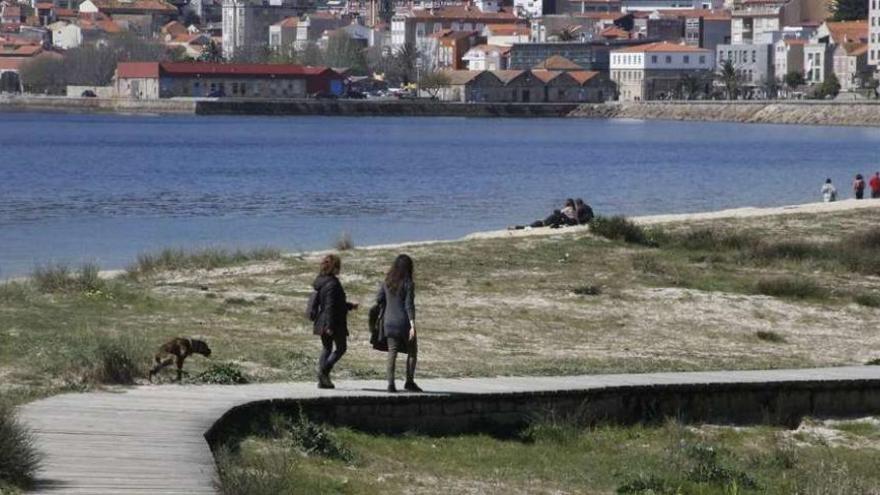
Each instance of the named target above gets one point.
<point>151,439</point>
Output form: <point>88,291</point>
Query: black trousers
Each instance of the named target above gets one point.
<point>330,356</point>
<point>860,193</point>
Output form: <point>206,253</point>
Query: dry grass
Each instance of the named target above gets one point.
<point>486,307</point>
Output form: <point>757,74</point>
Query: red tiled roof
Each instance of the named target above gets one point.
<point>707,14</point>
<point>137,70</point>
<point>558,62</point>
<point>855,49</point>
<point>602,16</point>
<point>848,31</point>
<point>174,28</point>
<point>795,41</point>
<point>198,68</point>
<point>10,63</point>
<point>15,50</point>
<point>546,75</point>
<point>288,22</point>
<point>455,35</point>
<point>148,6</point>
<point>508,30</point>
<point>106,25</point>
<point>462,12</point>
<point>45,5</point>
<point>662,46</point>
<point>582,76</point>
<point>507,75</point>
<point>614,32</point>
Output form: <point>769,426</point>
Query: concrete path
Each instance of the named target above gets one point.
<point>149,439</point>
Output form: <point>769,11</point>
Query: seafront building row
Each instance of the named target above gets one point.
<point>638,49</point>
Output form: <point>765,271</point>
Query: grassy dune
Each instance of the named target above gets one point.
<point>786,291</point>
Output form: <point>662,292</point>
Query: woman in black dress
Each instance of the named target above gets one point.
<point>397,294</point>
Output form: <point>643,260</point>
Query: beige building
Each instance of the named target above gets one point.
<point>656,70</point>
<point>788,56</point>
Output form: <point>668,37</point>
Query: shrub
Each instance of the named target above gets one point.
<point>59,278</point>
<point>868,299</point>
<point>263,475</point>
<point>797,288</point>
<point>708,467</point>
<point>311,438</point>
<point>344,242</point>
<point>171,259</point>
<point>769,336</point>
<point>223,374</point>
<point>238,301</point>
<point>119,361</point>
<point>789,250</point>
<point>19,458</point>
<point>708,239</point>
<point>620,228</point>
<point>588,290</point>
<point>648,483</point>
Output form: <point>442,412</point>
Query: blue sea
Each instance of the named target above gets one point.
<point>102,189</point>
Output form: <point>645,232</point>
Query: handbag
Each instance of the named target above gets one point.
<point>377,328</point>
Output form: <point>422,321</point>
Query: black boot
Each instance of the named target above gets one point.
<point>411,386</point>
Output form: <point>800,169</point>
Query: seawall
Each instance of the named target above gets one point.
<point>804,112</point>
<point>28,103</point>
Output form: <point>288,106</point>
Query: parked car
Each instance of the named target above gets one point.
<point>356,95</point>
<point>89,94</point>
<point>324,95</point>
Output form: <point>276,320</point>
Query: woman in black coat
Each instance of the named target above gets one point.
<point>397,295</point>
<point>332,321</point>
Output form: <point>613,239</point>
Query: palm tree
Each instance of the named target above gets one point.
<point>568,33</point>
<point>729,78</point>
<point>212,53</point>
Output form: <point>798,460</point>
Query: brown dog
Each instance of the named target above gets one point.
<point>176,351</point>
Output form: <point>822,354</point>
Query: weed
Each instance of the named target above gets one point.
<point>310,438</point>
<point>708,467</point>
<point>620,228</point>
<point>707,239</point>
<point>870,300</point>
<point>223,374</point>
<point>344,242</point>
<point>588,290</point>
<point>171,259</point>
<point>648,484</point>
<point>770,336</point>
<point>790,287</point>
<point>789,250</point>
<point>873,362</point>
<point>19,458</point>
<point>118,361</point>
<point>238,301</point>
<point>59,278</point>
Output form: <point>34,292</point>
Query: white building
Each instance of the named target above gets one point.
<point>487,57</point>
<point>655,70</point>
<point>65,35</point>
<point>874,32</point>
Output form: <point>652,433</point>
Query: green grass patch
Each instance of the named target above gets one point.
<point>868,299</point>
<point>59,278</point>
<point>588,290</point>
<point>620,228</point>
<point>791,287</point>
<point>770,336</point>
<point>207,259</point>
<point>223,374</point>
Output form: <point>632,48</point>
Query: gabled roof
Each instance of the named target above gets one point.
<point>583,76</point>
<point>557,62</point>
<point>105,25</point>
<point>546,75</point>
<point>614,32</point>
<point>508,75</point>
<point>662,46</point>
<point>174,28</point>
<point>45,5</point>
<point>287,22</point>
<point>855,49</point>
<point>463,12</point>
<point>279,70</point>
<point>461,77</point>
<point>848,31</point>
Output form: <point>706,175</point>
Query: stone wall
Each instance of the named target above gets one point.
<point>781,403</point>
<point>401,108</point>
<point>94,105</point>
<point>800,112</point>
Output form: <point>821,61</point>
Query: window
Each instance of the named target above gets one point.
<point>754,56</point>
<point>702,59</point>
<point>242,89</point>
<point>653,59</point>
<point>686,59</point>
<point>669,59</point>
<point>235,88</point>
<point>420,29</point>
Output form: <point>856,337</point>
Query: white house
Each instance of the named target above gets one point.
<point>655,70</point>
<point>487,57</point>
<point>65,35</point>
<point>506,34</point>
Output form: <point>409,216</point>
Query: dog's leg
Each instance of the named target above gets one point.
<point>180,367</point>
<point>160,363</point>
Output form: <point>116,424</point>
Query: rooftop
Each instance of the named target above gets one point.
<point>663,47</point>
<point>558,62</point>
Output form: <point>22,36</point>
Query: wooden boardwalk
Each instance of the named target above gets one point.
<point>149,439</point>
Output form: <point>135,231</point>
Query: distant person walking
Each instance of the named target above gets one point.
<point>331,322</point>
<point>829,192</point>
<point>874,184</point>
<point>397,295</point>
<point>859,186</point>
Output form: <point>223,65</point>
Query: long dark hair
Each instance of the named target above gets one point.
<point>401,271</point>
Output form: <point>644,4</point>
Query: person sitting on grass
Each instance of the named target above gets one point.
<point>566,216</point>
<point>583,211</point>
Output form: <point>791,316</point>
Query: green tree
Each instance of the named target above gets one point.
<point>829,87</point>
<point>849,10</point>
<point>311,55</point>
<point>433,82</point>
<point>402,69</point>
<point>794,79</point>
<point>690,86</point>
<point>343,51</point>
<point>730,79</point>
<point>212,53</point>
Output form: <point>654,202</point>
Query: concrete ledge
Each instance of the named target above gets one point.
<point>380,108</point>
<point>779,403</point>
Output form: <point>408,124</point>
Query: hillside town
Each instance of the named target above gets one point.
<point>527,51</point>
